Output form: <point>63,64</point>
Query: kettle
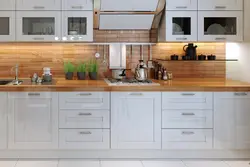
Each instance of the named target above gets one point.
<point>141,72</point>
<point>190,51</point>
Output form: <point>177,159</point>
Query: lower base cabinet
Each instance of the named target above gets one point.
<point>3,120</point>
<point>84,139</point>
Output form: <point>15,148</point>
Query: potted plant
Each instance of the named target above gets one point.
<point>69,69</point>
<point>81,71</point>
<point>93,69</point>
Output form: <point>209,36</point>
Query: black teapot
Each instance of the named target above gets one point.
<point>190,51</point>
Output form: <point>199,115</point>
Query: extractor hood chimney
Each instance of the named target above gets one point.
<point>127,14</point>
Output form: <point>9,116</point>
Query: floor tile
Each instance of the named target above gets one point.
<point>37,163</point>
<point>78,163</point>
<point>238,163</point>
<point>8,163</point>
<point>121,164</point>
<point>205,164</point>
<point>163,164</point>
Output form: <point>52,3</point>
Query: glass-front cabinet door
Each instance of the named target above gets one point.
<point>181,26</point>
<point>77,26</point>
<point>38,26</point>
<point>220,26</point>
<point>7,28</point>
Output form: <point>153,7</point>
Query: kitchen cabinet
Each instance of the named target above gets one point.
<point>220,26</point>
<point>38,26</point>
<point>129,5</point>
<point>181,5</point>
<point>38,5</point>
<point>220,5</point>
<point>7,5</point>
<point>33,120</point>
<point>231,124</point>
<point>3,120</point>
<point>181,26</point>
<point>7,29</point>
<point>77,26</point>
<point>135,120</point>
<point>77,5</point>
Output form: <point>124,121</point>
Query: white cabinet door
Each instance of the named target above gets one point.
<point>136,120</point>
<point>77,4</point>
<point>38,26</point>
<point>181,26</point>
<point>220,26</point>
<point>38,4</point>
<point>7,5</point>
<point>77,26</point>
<point>33,122</point>
<point>3,120</point>
<point>7,28</point>
<point>220,5</point>
<point>181,4</point>
<point>128,5</point>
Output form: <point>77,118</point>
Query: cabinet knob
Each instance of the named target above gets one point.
<point>38,7</point>
<point>188,114</point>
<point>220,7</point>
<point>220,39</point>
<point>136,94</point>
<point>85,133</point>
<point>181,38</point>
<point>84,94</point>
<point>84,114</point>
<point>188,94</point>
<point>240,94</point>
<point>76,7</point>
<point>33,94</point>
<point>181,7</point>
<point>38,38</point>
<point>187,133</point>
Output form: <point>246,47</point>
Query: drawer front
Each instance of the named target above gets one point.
<point>187,100</point>
<point>84,119</point>
<point>84,139</point>
<point>187,139</point>
<point>84,100</point>
<point>187,119</point>
<point>30,95</point>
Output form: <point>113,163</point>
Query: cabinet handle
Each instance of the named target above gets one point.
<point>136,94</point>
<point>187,133</point>
<point>37,38</point>
<point>76,7</point>
<point>220,7</point>
<point>188,114</point>
<point>85,133</point>
<point>240,94</point>
<point>84,94</point>
<point>33,94</point>
<point>187,94</point>
<point>222,38</point>
<point>181,38</point>
<point>38,7</point>
<point>85,114</point>
<point>181,7</point>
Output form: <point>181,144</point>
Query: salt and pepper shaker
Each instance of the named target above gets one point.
<point>165,75</point>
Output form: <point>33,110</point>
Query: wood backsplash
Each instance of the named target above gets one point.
<point>32,57</point>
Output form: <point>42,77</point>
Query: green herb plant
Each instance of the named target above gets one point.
<point>69,67</point>
<point>93,66</point>
<point>81,67</point>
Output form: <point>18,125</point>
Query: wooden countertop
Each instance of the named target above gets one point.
<point>206,84</point>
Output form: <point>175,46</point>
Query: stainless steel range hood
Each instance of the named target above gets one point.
<point>127,14</point>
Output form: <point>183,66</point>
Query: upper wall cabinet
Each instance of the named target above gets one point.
<point>7,5</point>
<point>38,26</point>
<point>220,5</point>
<point>77,4</point>
<point>181,4</point>
<point>38,4</point>
<point>7,28</point>
<point>220,26</point>
<point>128,5</point>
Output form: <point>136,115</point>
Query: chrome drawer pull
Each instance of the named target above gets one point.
<point>38,7</point>
<point>187,94</point>
<point>38,38</point>
<point>84,114</point>
<point>223,38</point>
<point>136,94</point>
<point>85,133</point>
<point>220,7</point>
<point>33,94</point>
<point>181,7</point>
<point>240,94</point>
<point>181,38</point>
<point>76,7</point>
<point>188,114</point>
<point>84,94</point>
<point>187,133</point>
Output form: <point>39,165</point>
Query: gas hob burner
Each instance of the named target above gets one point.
<point>129,82</point>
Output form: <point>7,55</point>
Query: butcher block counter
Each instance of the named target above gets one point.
<point>185,84</point>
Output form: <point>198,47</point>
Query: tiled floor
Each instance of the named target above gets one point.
<point>92,163</point>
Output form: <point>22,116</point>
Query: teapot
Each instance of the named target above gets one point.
<point>190,51</point>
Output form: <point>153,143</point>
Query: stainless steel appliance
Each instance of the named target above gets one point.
<point>141,72</point>
<point>130,82</point>
<point>119,74</point>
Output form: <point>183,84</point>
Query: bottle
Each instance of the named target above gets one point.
<point>159,74</point>
<point>165,75</point>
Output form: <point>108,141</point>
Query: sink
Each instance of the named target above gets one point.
<point>5,82</point>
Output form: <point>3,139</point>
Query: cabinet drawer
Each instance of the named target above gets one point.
<point>30,95</point>
<point>84,139</point>
<point>84,100</point>
<point>187,119</point>
<point>84,119</point>
<point>187,100</point>
<point>187,139</point>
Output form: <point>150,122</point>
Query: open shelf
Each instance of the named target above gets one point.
<point>196,60</point>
